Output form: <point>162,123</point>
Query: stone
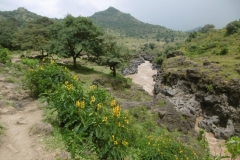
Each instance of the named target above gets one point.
<point>161,114</point>
<point>174,54</point>
<point>41,128</point>
<point>206,63</point>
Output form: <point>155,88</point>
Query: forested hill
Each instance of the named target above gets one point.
<point>123,23</point>
<point>22,15</point>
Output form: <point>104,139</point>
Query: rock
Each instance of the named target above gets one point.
<point>171,128</point>
<point>161,114</point>
<point>174,54</point>
<point>211,100</point>
<point>206,63</point>
<point>41,128</point>
<point>133,68</point>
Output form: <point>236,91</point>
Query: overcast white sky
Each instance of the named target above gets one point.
<point>175,14</point>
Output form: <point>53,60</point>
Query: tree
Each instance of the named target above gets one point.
<point>207,28</point>
<point>152,45</point>
<point>8,28</point>
<point>114,54</point>
<point>34,35</point>
<point>233,27</point>
<point>73,35</point>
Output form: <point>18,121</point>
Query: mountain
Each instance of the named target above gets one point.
<point>123,23</point>
<point>195,29</point>
<point>22,15</point>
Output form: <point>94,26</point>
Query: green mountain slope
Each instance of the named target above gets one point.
<point>219,48</point>
<point>22,15</point>
<point>113,19</point>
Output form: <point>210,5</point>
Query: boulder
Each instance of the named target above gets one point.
<point>174,54</point>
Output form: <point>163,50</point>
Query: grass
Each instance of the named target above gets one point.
<point>2,128</point>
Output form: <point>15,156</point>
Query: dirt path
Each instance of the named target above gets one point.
<point>17,143</point>
<point>18,114</point>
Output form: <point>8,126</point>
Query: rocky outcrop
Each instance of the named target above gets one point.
<point>133,67</point>
<point>174,54</point>
<point>193,93</point>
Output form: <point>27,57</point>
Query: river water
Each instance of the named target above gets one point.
<point>144,78</point>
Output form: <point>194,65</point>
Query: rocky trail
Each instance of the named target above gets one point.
<point>22,119</point>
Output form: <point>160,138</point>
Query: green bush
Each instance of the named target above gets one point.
<point>224,50</point>
<point>4,55</point>
<point>233,146</point>
<point>45,79</point>
<point>30,62</point>
<point>233,27</point>
<point>93,118</point>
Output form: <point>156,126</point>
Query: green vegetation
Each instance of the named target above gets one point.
<point>72,36</point>
<point>126,25</point>
<point>4,55</point>
<point>93,120</point>
<point>233,146</point>
<point>34,35</point>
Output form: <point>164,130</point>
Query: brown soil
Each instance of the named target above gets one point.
<point>18,114</point>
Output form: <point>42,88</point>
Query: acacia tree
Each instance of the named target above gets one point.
<point>112,53</point>
<point>34,35</point>
<point>73,35</point>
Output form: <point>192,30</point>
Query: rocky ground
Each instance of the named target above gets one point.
<point>22,119</point>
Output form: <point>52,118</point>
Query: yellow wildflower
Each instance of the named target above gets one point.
<point>78,104</point>
<point>41,68</point>
<point>113,103</point>
<point>119,124</point>
<point>126,121</point>
<point>125,143</point>
<point>149,143</point>
<point>104,119</point>
<point>99,106</point>
<point>75,77</point>
<point>92,87</point>
<point>43,59</point>
<point>66,82</point>
<point>116,142</point>
<point>116,111</point>
<point>82,105</point>
<point>52,61</point>
<point>112,137</point>
<point>92,100</point>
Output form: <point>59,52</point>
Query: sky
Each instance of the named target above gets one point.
<point>180,15</point>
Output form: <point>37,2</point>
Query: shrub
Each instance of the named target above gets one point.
<point>4,55</point>
<point>224,50</point>
<point>93,118</point>
<point>233,27</point>
<point>233,146</point>
<point>45,79</point>
<point>30,62</point>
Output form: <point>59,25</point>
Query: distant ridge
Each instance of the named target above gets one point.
<point>21,14</point>
<point>126,24</point>
<point>195,29</point>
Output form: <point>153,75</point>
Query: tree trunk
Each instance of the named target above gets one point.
<point>74,62</point>
<point>113,68</point>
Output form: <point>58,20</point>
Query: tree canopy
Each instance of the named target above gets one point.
<point>34,35</point>
<point>73,35</point>
<point>113,53</point>
<point>8,28</point>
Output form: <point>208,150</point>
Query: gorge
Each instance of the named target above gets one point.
<point>220,121</point>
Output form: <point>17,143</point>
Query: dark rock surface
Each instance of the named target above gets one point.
<point>133,67</point>
<point>194,94</point>
<point>174,54</point>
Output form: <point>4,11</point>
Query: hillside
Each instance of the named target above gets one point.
<point>22,15</point>
<point>126,24</point>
